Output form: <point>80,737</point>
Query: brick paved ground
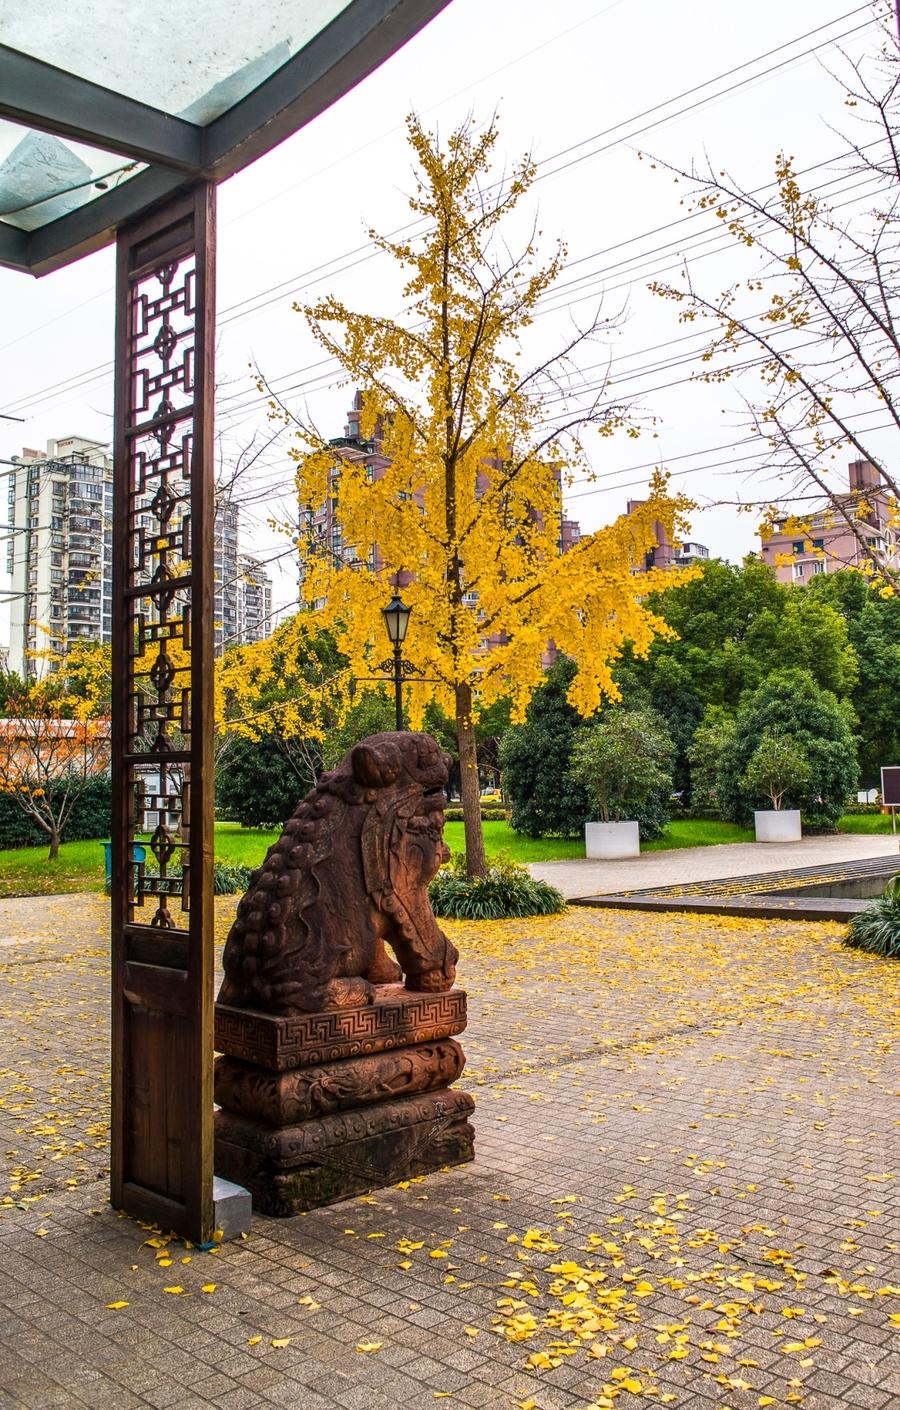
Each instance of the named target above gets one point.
<point>685,1194</point>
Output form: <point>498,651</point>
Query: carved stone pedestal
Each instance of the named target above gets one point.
<point>317,1107</point>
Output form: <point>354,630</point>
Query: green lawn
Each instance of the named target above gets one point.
<point>25,871</point>
<point>868,823</point>
<point>698,832</point>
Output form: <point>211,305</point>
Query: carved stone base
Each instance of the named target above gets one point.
<point>317,1107</point>
<point>285,1098</point>
<point>292,1169</point>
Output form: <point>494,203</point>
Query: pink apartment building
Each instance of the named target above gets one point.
<point>829,544</point>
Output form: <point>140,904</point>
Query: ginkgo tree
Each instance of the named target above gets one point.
<point>466,516</point>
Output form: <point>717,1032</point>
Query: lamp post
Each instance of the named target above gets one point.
<point>396,620</point>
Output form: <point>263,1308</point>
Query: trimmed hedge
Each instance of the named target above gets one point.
<point>490,812</point>
<point>90,817</point>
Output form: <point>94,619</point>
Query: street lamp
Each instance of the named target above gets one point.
<point>396,620</point>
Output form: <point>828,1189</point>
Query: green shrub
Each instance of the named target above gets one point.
<point>227,879</point>
<point>507,891</point>
<point>546,800</point>
<point>777,764</point>
<point>256,784</point>
<point>792,703</point>
<point>877,928</point>
<point>90,817</point>
<point>490,812</point>
<point>624,760</point>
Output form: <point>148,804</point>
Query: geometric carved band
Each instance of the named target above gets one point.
<point>397,1018</point>
<point>286,1098</point>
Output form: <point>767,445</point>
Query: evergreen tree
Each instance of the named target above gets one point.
<point>544,798</point>
<point>791,703</point>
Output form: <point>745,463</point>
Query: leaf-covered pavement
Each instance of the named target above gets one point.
<point>685,1193</point>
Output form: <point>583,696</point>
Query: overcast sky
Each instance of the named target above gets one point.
<point>596,81</point>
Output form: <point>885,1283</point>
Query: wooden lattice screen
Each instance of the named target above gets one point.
<point>162,957</point>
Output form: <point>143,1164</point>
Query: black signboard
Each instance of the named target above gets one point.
<point>890,787</point>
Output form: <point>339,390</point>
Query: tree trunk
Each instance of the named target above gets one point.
<point>476,864</point>
<point>54,844</point>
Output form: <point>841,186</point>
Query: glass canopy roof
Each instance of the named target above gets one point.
<point>192,58</point>
<point>106,106</point>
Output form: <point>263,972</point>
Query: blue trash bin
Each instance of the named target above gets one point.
<point>138,853</point>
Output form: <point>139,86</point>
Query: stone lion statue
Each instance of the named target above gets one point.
<point>349,873</point>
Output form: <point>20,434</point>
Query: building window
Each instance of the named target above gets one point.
<point>818,566</point>
<point>798,546</point>
<point>799,570</point>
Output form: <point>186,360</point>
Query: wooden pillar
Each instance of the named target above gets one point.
<point>162,719</point>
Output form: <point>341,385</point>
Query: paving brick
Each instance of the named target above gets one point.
<point>739,1073</point>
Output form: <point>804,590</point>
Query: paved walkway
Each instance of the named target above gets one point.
<point>685,1194</point>
<point>587,878</point>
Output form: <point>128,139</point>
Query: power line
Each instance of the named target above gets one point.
<point>367,252</point>
<point>718,238</point>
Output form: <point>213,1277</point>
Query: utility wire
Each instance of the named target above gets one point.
<point>368,253</point>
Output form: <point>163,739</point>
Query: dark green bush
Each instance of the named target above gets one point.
<point>877,928</point>
<point>794,704</point>
<point>256,785</point>
<point>490,812</point>
<point>546,801</point>
<point>227,879</point>
<point>624,758</point>
<point>90,817</point>
<point>507,891</point>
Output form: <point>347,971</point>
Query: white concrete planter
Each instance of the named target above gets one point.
<point>612,840</point>
<point>782,826</point>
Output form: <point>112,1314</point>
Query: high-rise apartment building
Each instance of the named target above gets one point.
<point>58,540</point>
<point>59,549</point>
<point>254,601</point>
<point>226,571</point>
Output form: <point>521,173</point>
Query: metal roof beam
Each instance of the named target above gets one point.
<point>39,95</point>
<point>93,225</point>
<point>346,51</point>
<point>14,248</point>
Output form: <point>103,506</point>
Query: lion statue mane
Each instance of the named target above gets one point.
<point>349,873</point>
